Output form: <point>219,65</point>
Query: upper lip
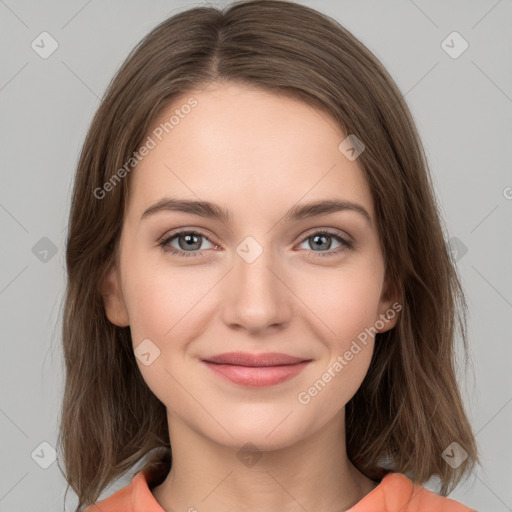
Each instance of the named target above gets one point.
<point>247,359</point>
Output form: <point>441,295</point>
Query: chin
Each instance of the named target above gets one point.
<point>266,432</point>
<point>257,441</point>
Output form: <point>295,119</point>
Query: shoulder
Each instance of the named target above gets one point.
<point>121,500</point>
<point>135,497</point>
<point>396,492</point>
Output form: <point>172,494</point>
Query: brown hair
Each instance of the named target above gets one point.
<point>408,409</point>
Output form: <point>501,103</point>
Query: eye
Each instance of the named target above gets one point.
<point>188,243</point>
<point>323,240</point>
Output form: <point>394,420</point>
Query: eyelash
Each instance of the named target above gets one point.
<point>345,244</point>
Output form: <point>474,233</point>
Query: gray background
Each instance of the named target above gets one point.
<point>461,105</point>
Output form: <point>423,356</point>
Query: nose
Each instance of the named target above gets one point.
<point>256,295</point>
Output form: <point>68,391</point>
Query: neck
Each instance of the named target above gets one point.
<point>311,474</point>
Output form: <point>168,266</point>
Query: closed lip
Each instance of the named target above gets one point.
<point>255,360</point>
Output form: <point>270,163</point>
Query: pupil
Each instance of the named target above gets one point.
<point>189,240</point>
<point>320,237</point>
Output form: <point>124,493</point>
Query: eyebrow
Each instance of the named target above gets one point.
<point>214,211</point>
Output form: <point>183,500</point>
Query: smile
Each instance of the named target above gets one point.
<point>256,370</point>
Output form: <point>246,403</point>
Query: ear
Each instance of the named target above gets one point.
<point>390,305</point>
<point>113,299</point>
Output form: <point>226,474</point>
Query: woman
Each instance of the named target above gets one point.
<point>260,300</point>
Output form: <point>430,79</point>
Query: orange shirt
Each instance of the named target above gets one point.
<point>395,493</point>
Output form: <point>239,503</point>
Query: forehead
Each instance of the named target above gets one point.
<point>246,147</point>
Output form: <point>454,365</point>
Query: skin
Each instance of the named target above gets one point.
<point>256,154</point>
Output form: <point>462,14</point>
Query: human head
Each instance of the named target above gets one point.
<point>266,286</point>
<point>409,397</point>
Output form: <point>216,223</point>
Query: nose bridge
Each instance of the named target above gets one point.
<point>252,272</point>
<point>256,297</point>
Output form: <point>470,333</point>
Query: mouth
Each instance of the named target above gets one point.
<point>256,370</point>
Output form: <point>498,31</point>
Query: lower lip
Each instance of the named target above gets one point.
<point>257,376</point>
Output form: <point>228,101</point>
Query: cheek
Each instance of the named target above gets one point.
<point>150,309</point>
<point>160,298</point>
<point>163,303</point>
<point>346,304</point>
<point>345,300</point>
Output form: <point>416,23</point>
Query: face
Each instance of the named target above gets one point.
<point>192,285</point>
